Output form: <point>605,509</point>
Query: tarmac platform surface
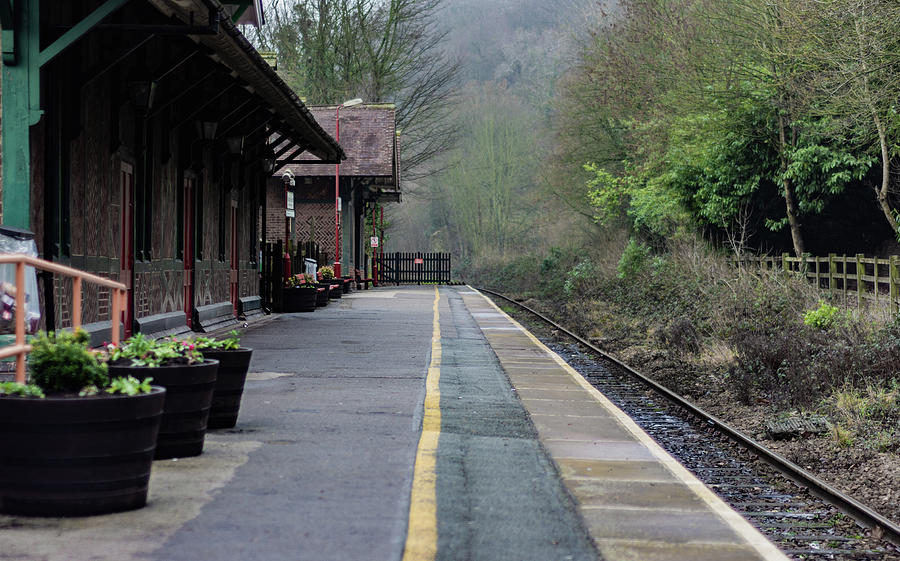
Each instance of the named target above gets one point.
<point>404,424</point>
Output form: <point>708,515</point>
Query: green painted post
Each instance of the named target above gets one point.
<point>21,110</point>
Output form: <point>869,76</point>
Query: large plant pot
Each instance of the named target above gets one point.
<point>189,392</point>
<point>299,299</point>
<point>345,284</point>
<point>77,456</point>
<point>226,401</point>
<point>333,293</point>
<point>323,297</point>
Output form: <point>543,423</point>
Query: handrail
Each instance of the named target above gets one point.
<point>117,295</point>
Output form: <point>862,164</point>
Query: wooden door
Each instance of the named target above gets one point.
<point>188,254</point>
<point>235,290</point>
<point>126,244</point>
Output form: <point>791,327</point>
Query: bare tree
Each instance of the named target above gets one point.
<point>381,51</point>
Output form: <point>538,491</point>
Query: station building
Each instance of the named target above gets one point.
<point>136,146</point>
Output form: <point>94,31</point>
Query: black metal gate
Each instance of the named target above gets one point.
<point>408,268</point>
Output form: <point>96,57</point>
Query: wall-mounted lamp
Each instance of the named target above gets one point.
<point>268,165</point>
<point>206,130</point>
<point>235,144</point>
<point>141,88</point>
<point>142,94</point>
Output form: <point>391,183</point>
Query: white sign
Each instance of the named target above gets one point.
<point>289,204</point>
<point>373,241</point>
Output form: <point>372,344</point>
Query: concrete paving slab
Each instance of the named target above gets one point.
<point>655,551</point>
<point>623,451</point>
<point>558,407</point>
<point>568,393</point>
<point>657,525</point>
<point>672,495</point>
<point>611,470</point>
<point>561,428</point>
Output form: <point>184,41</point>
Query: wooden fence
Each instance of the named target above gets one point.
<point>872,279</point>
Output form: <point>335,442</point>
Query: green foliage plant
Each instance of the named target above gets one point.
<point>634,259</point>
<point>129,385</point>
<point>20,390</point>
<point>327,272</point>
<point>824,317</point>
<point>61,362</point>
<point>579,277</point>
<point>230,343</point>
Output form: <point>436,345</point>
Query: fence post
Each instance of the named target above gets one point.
<point>844,277</point>
<point>860,283</point>
<point>832,272</point>
<point>893,276</point>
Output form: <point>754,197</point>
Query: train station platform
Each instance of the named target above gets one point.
<point>410,423</point>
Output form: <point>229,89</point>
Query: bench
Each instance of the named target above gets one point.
<point>361,281</point>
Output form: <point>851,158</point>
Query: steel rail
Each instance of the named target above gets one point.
<point>864,515</point>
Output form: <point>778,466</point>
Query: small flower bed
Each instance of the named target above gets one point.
<point>140,350</point>
<point>301,280</point>
<point>60,363</point>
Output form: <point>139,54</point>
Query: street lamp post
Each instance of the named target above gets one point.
<point>337,187</point>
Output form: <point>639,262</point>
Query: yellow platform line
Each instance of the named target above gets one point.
<point>421,534</point>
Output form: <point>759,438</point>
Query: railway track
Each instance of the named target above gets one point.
<point>805,526</point>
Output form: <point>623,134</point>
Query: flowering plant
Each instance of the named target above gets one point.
<point>140,350</point>
<point>299,280</point>
<point>327,272</point>
<point>230,343</point>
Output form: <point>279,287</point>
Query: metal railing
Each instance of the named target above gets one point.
<point>20,349</point>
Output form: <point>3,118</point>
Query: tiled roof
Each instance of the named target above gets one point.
<point>367,137</point>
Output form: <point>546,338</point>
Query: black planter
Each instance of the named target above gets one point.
<point>299,299</point>
<point>345,287</point>
<point>77,456</point>
<point>226,401</point>
<point>333,293</point>
<point>321,296</point>
<point>189,391</point>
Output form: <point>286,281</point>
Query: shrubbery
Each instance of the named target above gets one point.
<point>767,336</point>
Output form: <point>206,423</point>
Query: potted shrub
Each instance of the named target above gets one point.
<point>299,293</point>
<point>327,280</point>
<point>234,361</point>
<point>189,380</point>
<point>75,442</point>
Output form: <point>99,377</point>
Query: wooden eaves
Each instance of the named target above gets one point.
<point>231,48</point>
